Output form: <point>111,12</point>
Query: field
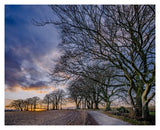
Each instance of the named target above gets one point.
<point>72,117</point>
<point>56,117</point>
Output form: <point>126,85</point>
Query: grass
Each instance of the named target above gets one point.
<point>152,113</point>
<point>130,120</point>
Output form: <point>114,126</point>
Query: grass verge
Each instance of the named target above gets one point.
<point>129,120</point>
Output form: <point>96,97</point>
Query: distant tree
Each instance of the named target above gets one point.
<point>15,105</point>
<point>27,103</point>
<point>56,98</point>
<point>35,101</point>
<point>47,100</point>
<point>30,100</point>
<point>18,104</point>
<point>75,92</point>
<point>53,100</point>
<point>110,82</point>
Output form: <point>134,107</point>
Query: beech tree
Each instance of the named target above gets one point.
<point>35,100</point>
<point>47,100</point>
<point>56,98</point>
<point>123,35</point>
<point>76,92</point>
<point>27,101</point>
<point>18,104</point>
<point>111,85</point>
<point>31,103</point>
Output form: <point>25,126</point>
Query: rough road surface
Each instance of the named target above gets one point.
<point>55,117</point>
<point>103,119</point>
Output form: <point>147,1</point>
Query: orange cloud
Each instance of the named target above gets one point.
<point>13,89</point>
<point>37,89</point>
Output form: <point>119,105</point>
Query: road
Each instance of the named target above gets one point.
<point>103,119</point>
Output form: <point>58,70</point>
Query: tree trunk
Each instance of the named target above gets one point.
<point>47,103</point>
<point>85,102</point>
<point>138,106</point>
<point>61,103</point>
<point>108,106</point>
<point>31,107</point>
<point>91,105</point>
<point>27,107</point>
<point>77,106</point>
<point>96,105</point>
<point>145,111</point>
<point>47,106</point>
<point>88,104</point>
<point>57,106</point>
<point>34,106</point>
<point>145,101</point>
<point>53,106</point>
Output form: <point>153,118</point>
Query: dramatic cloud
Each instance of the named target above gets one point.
<point>29,49</point>
<point>34,87</point>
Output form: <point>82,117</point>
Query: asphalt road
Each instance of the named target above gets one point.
<point>103,119</point>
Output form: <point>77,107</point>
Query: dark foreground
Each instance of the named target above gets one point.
<point>56,117</point>
<point>60,117</point>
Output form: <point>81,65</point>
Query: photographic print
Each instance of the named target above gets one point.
<point>80,64</point>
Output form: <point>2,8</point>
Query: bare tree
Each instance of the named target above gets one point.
<point>85,89</point>
<point>27,102</point>
<point>75,93</point>
<point>122,34</point>
<point>31,103</point>
<point>111,84</point>
<point>18,104</point>
<point>56,98</point>
<point>35,101</point>
<point>53,100</point>
<point>47,100</point>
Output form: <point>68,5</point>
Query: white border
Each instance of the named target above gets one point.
<point>80,1</point>
<point>3,2</point>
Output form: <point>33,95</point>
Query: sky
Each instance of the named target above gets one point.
<point>29,51</point>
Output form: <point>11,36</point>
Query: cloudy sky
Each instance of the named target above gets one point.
<point>29,51</point>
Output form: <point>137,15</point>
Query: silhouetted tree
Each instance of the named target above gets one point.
<point>35,101</point>
<point>123,35</point>
<point>75,92</point>
<point>47,100</point>
<point>56,98</point>
<point>27,103</point>
<point>18,104</point>
<point>31,103</point>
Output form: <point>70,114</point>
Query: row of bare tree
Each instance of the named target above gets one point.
<point>92,93</point>
<point>55,98</point>
<point>24,105</point>
<point>30,104</point>
<point>102,43</point>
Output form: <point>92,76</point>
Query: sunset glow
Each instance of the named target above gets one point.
<point>28,58</point>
